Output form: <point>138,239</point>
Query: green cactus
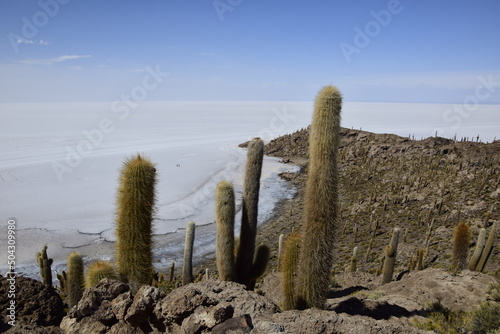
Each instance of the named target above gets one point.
<point>171,273</point>
<point>420,259</point>
<point>354,260</point>
<point>259,264</point>
<point>75,280</point>
<point>44,263</point>
<point>288,268</point>
<point>97,271</point>
<point>281,239</point>
<point>187,267</point>
<point>488,249</point>
<point>224,219</point>
<point>390,257</point>
<point>136,202</point>
<point>62,278</point>
<point>321,201</point>
<point>248,233</point>
<point>461,240</point>
<point>476,256</point>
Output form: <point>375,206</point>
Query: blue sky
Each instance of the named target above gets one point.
<point>375,51</point>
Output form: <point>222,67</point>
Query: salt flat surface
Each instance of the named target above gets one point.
<point>60,163</point>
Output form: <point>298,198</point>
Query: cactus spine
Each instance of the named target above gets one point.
<point>288,268</point>
<point>44,263</point>
<point>476,256</point>
<point>224,220</point>
<point>321,207</point>
<point>75,281</point>
<point>244,259</point>
<point>187,268</point>
<point>136,200</point>
<point>488,249</point>
<point>461,240</point>
<point>97,271</point>
<point>390,257</point>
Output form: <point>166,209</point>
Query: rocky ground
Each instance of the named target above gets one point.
<point>423,187</point>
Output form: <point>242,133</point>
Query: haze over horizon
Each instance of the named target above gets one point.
<point>374,51</point>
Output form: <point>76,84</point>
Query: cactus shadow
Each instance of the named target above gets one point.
<point>345,292</point>
<point>374,309</point>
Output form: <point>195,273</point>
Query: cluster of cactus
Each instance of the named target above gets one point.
<point>483,250</point>
<point>44,263</point>
<point>248,264</point>
<point>134,216</point>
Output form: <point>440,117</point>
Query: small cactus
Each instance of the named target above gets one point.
<point>390,257</point>
<point>354,258</point>
<point>259,264</point>
<point>44,263</point>
<point>224,220</point>
<point>187,268</point>
<point>62,278</point>
<point>75,280</point>
<point>288,268</point>
<point>97,271</point>
<point>461,240</point>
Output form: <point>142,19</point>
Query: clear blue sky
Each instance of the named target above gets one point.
<point>89,50</point>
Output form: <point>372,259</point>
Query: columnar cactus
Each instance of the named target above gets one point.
<point>224,220</point>
<point>136,202</point>
<point>44,263</point>
<point>390,257</point>
<point>476,256</point>
<point>75,280</point>
<point>259,264</point>
<point>251,186</point>
<point>321,201</point>
<point>354,260</point>
<point>488,249</point>
<point>288,268</point>
<point>97,271</point>
<point>461,240</point>
<point>187,268</point>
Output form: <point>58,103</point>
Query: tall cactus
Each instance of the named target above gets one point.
<point>461,240</point>
<point>75,280</point>
<point>224,220</point>
<point>288,268</point>
<point>488,249</point>
<point>44,263</point>
<point>136,201</point>
<point>251,186</point>
<point>187,267</point>
<point>321,206</point>
<point>390,257</point>
<point>97,271</point>
<point>476,256</point>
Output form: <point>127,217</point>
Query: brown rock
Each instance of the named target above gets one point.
<point>143,305</point>
<point>120,305</point>
<point>241,324</point>
<point>86,325</point>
